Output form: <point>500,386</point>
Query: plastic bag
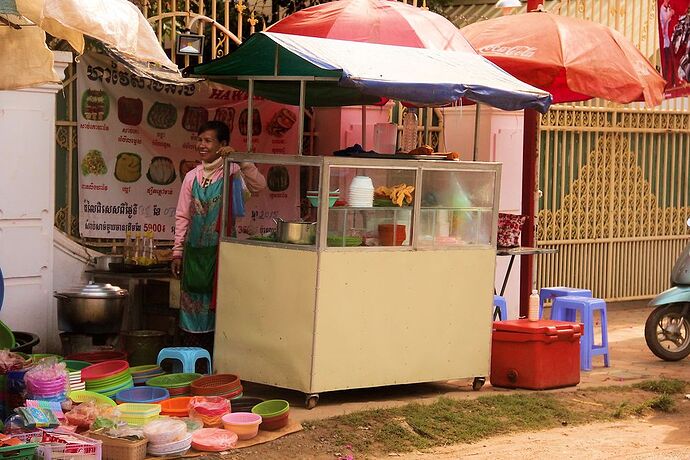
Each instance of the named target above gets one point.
<point>10,361</point>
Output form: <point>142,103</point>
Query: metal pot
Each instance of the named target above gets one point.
<point>91,309</point>
<point>103,262</point>
<point>295,232</point>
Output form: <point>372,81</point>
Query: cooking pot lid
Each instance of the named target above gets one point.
<point>95,290</point>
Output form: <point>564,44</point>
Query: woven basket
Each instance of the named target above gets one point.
<point>219,384</point>
<point>120,449</point>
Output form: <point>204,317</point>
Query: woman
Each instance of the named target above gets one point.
<point>197,216</point>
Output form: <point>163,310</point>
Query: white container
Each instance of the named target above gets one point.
<point>361,193</point>
<point>533,311</point>
<point>385,137</point>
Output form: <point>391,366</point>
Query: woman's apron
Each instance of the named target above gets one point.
<point>200,258</point>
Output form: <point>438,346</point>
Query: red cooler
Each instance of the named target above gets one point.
<point>535,355</point>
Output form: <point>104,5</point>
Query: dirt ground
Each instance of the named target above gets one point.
<point>659,436</point>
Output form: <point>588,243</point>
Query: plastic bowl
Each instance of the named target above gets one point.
<point>73,365</point>
<point>171,448</point>
<point>81,396</point>
<point>314,200</point>
<point>142,395</point>
<point>245,404</point>
<point>95,357</point>
<point>213,385</point>
<point>173,380</point>
<point>271,408</point>
<point>244,424</point>
<point>105,371</point>
<point>275,423</point>
<point>176,407</point>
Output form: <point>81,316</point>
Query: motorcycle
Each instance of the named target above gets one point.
<point>667,330</point>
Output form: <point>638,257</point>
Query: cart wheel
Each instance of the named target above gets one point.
<point>311,400</point>
<point>478,383</point>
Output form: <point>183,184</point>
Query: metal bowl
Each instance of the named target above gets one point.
<point>91,309</point>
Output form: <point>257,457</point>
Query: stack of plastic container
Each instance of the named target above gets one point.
<point>108,378</point>
<point>167,437</point>
<point>228,386</point>
<point>139,414</point>
<point>176,384</point>
<point>209,409</point>
<point>47,382</point>
<point>142,374</point>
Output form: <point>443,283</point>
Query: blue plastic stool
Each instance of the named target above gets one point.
<point>500,303</point>
<point>565,308</point>
<point>549,293</point>
<point>188,356</point>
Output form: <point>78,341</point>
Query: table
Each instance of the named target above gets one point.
<point>135,283</point>
<point>519,251</point>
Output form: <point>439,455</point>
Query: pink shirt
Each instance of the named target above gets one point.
<point>253,178</point>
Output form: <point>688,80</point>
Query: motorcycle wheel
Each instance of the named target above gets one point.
<point>667,333</point>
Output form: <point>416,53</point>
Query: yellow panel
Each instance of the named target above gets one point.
<point>402,317</point>
<point>265,317</point>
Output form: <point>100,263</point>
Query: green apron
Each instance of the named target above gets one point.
<point>199,259</point>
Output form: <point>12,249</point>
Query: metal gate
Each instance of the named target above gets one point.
<point>615,198</point>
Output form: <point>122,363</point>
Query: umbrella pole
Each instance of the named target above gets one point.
<point>364,127</point>
<point>475,147</point>
<point>530,199</point>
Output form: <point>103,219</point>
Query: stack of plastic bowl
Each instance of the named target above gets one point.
<point>176,384</point>
<point>76,383</point>
<point>167,437</point>
<point>107,378</point>
<point>274,414</point>
<point>150,395</point>
<point>209,409</point>
<point>48,384</point>
<point>142,374</point>
<point>213,440</point>
<point>244,424</point>
<point>176,407</point>
<point>136,414</point>
<point>361,193</point>
<point>228,386</point>
<point>313,197</point>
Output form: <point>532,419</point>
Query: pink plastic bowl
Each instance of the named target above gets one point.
<point>244,424</point>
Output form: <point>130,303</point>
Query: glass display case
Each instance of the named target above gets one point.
<point>395,245</point>
<point>389,203</point>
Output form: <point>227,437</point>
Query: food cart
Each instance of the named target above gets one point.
<point>384,292</point>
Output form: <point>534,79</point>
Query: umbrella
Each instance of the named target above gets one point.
<point>386,22</point>
<point>573,59</point>
<point>117,23</point>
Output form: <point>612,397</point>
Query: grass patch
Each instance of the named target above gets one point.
<point>662,386</point>
<point>663,403</point>
<point>450,421</point>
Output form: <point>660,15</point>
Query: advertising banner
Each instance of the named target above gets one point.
<point>137,140</point>
<point>674,45</point>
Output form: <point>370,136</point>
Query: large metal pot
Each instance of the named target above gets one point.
<point>91,309</point>
<point>103,262</point>
<point>295,232</point>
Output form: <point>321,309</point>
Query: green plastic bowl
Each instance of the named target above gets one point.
<point>314,200</point>
<point>74,365</point>
<point>173,380</point>
<point>271,408</point>
<point>81,396</point>
<point>6,337</point>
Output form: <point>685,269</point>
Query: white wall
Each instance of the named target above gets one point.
<point>499,139</point>
<point>27,196</point>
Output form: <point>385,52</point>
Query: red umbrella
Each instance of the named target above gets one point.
<point>571,58</point>
<point>386,22</point>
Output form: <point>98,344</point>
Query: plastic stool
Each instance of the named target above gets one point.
<point>500,303</point>
<point>565,308</point>
<point>548,293</point>
<point>188,356</point>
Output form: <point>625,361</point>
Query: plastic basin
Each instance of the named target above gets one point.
<point>271,408</point>
<point>176,407</point>
<point>105,371</point>
<point>25,341</point>
<point>244,424</point>
<point>173,380</point>
<point>142,395</point>
<point>244,404</point>
<point>82,396</point>
<point>95,357</point>
<point>275,423</point>
<point>219,384</point>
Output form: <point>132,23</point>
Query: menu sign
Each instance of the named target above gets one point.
<point>137,140</point>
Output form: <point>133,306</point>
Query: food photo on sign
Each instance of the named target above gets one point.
<point>138,139</point>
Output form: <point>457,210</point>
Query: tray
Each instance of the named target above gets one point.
<point>397,156</point>
<point>133,268</point>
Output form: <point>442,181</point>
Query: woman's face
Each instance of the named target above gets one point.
<point>208,146</point>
